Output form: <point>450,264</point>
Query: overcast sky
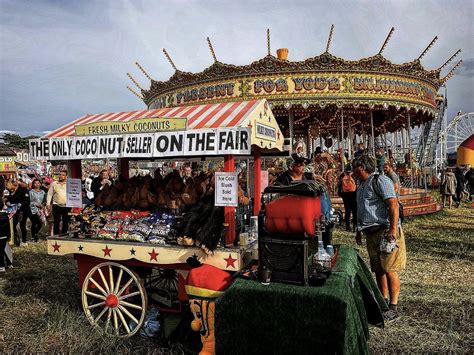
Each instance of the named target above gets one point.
<point>62,59</point>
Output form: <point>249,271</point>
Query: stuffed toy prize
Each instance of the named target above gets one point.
<point>203,285</point>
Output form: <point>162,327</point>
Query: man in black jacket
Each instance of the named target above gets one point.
<point>296,171</point>
<point>99,182</point>
<point>20,195</point>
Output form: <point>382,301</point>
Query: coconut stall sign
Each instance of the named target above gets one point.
<point>200,142</point>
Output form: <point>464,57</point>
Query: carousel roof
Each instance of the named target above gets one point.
<point>160,93</point>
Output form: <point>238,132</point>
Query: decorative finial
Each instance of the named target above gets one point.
<point>143,71</point>
<point>329,39</point>
<point>428,48</point>
<point>134,81</point>
<point>450,59</point>
<point>135,93</point>
<point>386,40</point>
<point>212,49</point>
<point>169,59</point>
<point>268,42</point>
<point>451,72</point>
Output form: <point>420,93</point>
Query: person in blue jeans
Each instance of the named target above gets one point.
<point>37,204</point>
<point>5,231</point>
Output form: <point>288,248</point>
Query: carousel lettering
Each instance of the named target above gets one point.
<point>316,83</point>
<point>385,85</point>
<point>204,93</point>
<point>270,85</point>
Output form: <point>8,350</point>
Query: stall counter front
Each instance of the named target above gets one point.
<point>252,318</point>
<point>230,259</point>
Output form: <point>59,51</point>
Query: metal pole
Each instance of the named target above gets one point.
<point>409,146</point>
<point>291,124</point>
<point>372,140</point>
<point>342,130</point>
<point>350,137</point>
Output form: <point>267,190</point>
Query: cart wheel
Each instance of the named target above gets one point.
<point>114,299</point>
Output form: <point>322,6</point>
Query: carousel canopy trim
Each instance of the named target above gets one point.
<point>324,78</point>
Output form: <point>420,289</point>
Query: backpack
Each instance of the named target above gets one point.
<point>375,182</point>
<point>348,183</point>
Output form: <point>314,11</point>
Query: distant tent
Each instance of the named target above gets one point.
<point>6,151</point>
<point>466,152</point>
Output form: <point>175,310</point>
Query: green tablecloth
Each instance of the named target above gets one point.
<point>252,318</point>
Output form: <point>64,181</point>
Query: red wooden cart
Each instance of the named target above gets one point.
<point>117,276</point>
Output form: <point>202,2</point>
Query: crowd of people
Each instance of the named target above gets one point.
<point>370,188</point>
<point>457,184</point>
<point>368,185</point>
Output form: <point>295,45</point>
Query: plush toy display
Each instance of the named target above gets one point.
<point>203,285</point>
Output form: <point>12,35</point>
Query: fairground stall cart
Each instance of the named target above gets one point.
<point>118,276</point>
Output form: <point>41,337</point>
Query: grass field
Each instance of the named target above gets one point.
<point>40,309</point>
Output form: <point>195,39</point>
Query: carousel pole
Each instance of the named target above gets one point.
<point>257,188</point>
<point>342,130</point>
<point>350,138</point>
<point>339,138</point>
<point>372,138</point>
<point>309,145</point>
<point>342,141</point>
<point>291,124</point>
<point>395,144</point>
<point>409,146</point>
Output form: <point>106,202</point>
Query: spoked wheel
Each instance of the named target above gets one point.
<point>163,287</point>
<point>114,299</point>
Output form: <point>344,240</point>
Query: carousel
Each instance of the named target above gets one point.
<point>323,101</point>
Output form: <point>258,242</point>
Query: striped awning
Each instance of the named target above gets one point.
<point>228,114</point>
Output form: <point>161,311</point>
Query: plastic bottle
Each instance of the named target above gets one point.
<point>330,250</point>
<point>322,257</point>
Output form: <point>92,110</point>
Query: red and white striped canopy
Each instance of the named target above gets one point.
<point>227,114</point>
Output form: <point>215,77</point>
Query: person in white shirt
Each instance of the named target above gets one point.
<point>56,201</point>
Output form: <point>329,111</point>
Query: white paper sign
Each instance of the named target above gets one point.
<point>73,192</point>
<point>226,191</point>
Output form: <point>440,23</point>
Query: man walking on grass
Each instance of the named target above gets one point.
<point>377,219</point>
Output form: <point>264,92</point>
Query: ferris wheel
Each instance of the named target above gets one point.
<point>456,132</point>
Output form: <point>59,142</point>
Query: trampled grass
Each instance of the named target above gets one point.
<point>40,304</point>
<point>437,293</point>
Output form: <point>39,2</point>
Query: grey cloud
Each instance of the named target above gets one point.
<point>467,68</point>
<point>60,60</point>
